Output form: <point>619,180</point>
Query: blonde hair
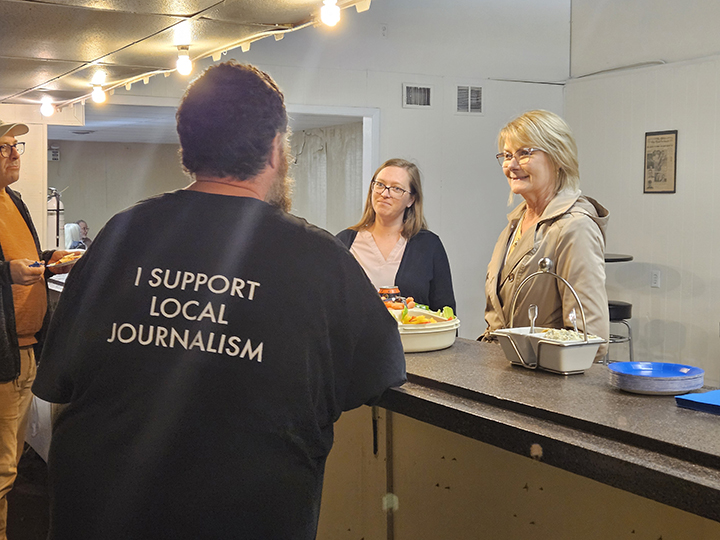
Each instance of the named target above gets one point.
<point>551,134</point>
<point>413,221</point>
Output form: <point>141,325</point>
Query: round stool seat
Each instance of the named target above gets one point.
<point>619,310</point>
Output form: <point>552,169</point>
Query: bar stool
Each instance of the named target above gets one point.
<point>620,313</point>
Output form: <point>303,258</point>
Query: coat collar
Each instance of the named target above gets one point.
<point>557,206</point>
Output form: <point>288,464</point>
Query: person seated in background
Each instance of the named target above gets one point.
<point>538,155</point>
<point>84,229</point>
<point>392,242</point>
<point>72,237</point>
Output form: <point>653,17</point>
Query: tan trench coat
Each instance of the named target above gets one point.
<point>571,232</point>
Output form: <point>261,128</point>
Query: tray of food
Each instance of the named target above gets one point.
<point>552,349</point>
<point>68,260</point>
<point>558,350</point>
<point>421,329</point>
<point>424,330</point>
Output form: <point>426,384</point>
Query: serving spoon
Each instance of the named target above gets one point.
<point>573,318</point>
<point>532,314</point>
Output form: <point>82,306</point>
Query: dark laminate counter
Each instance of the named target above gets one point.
<point>646,445</point>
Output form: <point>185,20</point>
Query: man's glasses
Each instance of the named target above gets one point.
<point>6,149</point>
<point>394,191</point>
<point>522,156</point>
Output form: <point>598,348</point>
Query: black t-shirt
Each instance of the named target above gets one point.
<point>203,377</point>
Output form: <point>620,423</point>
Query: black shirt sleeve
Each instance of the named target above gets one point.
<point>424,272</point>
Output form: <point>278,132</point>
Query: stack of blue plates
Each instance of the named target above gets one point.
<point>655,377</point>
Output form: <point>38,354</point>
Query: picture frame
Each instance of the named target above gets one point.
<point>660,162</point>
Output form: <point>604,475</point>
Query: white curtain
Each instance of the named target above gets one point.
<point>328,175</point>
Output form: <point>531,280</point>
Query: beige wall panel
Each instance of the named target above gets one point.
<point>355,480</point>
<point>451,487</point>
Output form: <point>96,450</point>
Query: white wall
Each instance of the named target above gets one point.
<point>673,233</point>
<point>98,180</point>
<point>610,34</point>
<point>512,39</point>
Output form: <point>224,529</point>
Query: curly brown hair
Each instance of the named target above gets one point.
<point>227,121</point>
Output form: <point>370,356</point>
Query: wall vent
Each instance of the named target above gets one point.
<point>416,96</point>
<point>469,99</point>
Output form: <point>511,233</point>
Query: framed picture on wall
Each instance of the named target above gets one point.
<point>660,162</point>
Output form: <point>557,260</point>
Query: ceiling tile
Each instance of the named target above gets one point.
<point>129,39</point>
<point>183,8</point>
<point>19,74</point>
<point>159,51</point>
<point>264,12</point>
<point>80,35</point>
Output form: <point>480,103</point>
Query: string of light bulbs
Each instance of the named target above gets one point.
<point>329,15</point>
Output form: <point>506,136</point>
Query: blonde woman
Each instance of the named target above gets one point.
<point>538,156</point>
<point>392,243</point>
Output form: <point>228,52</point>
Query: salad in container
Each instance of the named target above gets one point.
<point>421,329</point>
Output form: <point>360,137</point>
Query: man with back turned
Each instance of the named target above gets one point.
<point>203,378</point>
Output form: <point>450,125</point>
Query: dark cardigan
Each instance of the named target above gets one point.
<point>424,271</point>
<point>9,348</point>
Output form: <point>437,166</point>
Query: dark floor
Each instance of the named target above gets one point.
<point>28,500</point>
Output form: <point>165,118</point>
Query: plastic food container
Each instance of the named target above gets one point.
<point>538,351</point>
<point>430,336</point>
<point>390,293</point>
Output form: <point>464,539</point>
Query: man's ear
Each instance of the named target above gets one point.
<point>276,151</point>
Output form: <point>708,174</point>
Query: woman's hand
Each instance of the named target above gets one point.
<point>22,273</point>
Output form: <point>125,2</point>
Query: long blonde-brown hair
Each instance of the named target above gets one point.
<point>413,221</point>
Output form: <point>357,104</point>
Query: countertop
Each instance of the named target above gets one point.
<point>643,444</point>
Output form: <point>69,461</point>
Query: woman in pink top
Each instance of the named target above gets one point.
<point>392,243</point>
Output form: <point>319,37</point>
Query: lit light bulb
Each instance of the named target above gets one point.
<point>47,108</point>
<point>98,94</point>
<point>99,78</point>
<point>184,65</point>
<point>330,12</point>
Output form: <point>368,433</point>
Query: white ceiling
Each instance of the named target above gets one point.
<point>54,47</point>
<point>130,40</point>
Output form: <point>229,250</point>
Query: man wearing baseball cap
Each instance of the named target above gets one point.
<point>23,313</point>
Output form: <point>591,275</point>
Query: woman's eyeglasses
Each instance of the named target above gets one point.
<point>522,156</point>
<point>395,192</point>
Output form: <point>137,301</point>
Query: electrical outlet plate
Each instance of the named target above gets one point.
<point>655,279</point>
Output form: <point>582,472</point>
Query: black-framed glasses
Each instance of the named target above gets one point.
<point>522,156</point>
<point>395,192</point>
<point>6,149</point>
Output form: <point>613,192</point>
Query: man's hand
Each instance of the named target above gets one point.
<point>56,256</point>
<point>22,273</point>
